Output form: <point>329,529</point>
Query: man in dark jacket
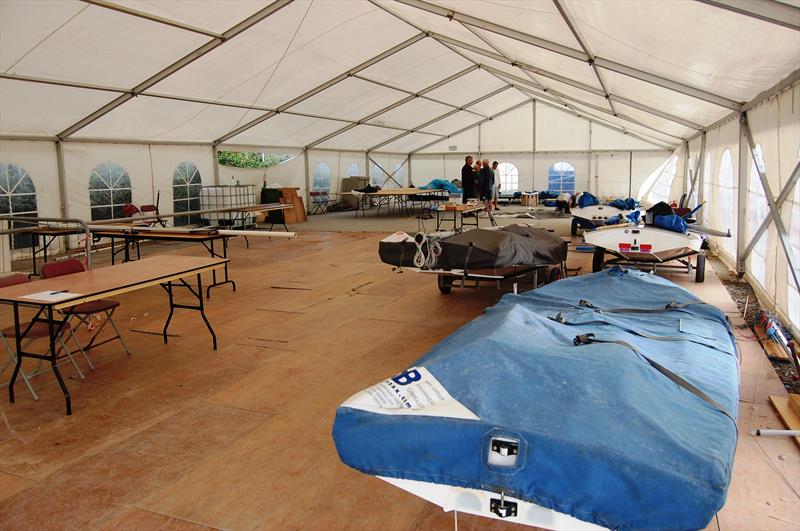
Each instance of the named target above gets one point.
<point>467,180</point>
<point>487,184</point>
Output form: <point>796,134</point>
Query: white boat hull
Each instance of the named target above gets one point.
<point>644,244</point>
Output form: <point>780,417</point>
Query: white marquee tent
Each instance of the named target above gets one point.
<point>649,98</point>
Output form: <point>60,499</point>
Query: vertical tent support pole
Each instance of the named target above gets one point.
<point>589,155</point>
<point>307,181</point>
<point>408,164</point>
<point>62,179</point>
<point>698,165</point>
<point>630,173</point>
<point>366,167</point>
<point>685,171</point>
<point>480,135</point>
<point>215,156</point>
<point>533,147</point>
<point>741,221</point>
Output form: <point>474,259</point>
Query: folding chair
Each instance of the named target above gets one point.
<point>152,211</point>
<point>320,202</point>
<point>38,330</point>
<point>87,309</point>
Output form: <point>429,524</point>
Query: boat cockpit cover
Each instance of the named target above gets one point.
<point>603,434</point>
<point>509,246</point>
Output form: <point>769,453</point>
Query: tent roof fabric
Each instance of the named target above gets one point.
<point>380,74</point>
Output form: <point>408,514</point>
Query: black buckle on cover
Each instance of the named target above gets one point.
<point>583,339</point>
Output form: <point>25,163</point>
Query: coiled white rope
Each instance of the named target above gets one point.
<point>429,248</point>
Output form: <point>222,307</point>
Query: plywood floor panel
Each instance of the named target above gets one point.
<point>179,436</point>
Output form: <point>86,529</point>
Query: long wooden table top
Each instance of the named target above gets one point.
<point>404,191</point>
<point>460,207</point>
<point>106,281</point>
<point>266,207</point>
<point>130,231</point>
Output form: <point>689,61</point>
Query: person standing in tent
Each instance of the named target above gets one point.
<point>467,179</point>
<point>487,185</point>
<point>496,188</point>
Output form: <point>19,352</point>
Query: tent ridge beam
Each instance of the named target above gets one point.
<point>567,81</point>
<point>581,102</point>
<point>520,64</point>
<point>152,18</point>
<point>394,105</point>
<point>250,21</point>
<point>771,11</point>
<point>574,54</point>
<point>404,91</point>
<point>319,88</point>
<point>63,83</point>
<point>573,27</point>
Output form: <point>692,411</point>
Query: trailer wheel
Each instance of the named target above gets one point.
<point>445,284</point>
<point>598,259</point>
<point>700,268</point>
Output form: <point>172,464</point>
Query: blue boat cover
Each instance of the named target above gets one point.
<point>441,184</point>
<point>586,199</point>
<point>605,436</point>
<point>671,222</point>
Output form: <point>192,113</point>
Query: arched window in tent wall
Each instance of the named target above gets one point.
<point>561,177</point>
<point>725,198</point>
<point>509,177</point>
<point>18,198</point>
<point>322,177</point>
<point>757,209</point>
<point>186,186</point>
<point>353,170</point>
<point>109,191</point>
<point>376,175</point>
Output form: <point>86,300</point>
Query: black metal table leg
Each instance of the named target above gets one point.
<point>54,357</point>
<point>212,251</point>
<point>200,306</point>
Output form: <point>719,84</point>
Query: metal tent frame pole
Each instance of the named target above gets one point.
<point>319,88</point>
<point>574,54</point>
<point>188,59</point>
<point>774,208</point>
<point>771,11</point>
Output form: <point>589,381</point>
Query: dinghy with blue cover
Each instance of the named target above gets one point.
<point>590,213</point>
<point>617,411</point>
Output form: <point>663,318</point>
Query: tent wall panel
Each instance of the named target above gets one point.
<point>556,130</point>
<point>611,174</point>
<point>512,131</point>
<point>775,125</point>
<point>390,163</point>
<point>544,161</point>
<point>38,159</point>
<point>165,161</point>
<point>81,159</point>
<point>723,146</point>
<point>643,165</point>
<point>605,138</point>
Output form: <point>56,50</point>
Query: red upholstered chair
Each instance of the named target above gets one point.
<point>85,310</point>
<point>38,330</point>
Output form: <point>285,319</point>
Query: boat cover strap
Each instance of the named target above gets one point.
<point>559,318</point>
<point>589,338</point>
<point>583,303</point>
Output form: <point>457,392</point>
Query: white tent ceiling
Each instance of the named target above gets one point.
<point>378,74</point>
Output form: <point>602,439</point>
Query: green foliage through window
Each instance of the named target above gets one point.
<point>240,159</point>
